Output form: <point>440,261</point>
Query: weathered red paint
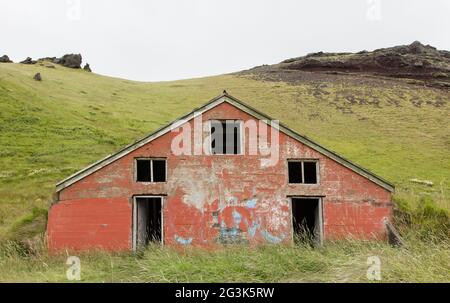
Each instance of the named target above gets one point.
<point>208,196</point>
<point>93,223</point>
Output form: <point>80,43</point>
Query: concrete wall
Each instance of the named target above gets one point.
<point>215,199</point>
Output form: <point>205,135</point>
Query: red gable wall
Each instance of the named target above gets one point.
<point>97,210</point>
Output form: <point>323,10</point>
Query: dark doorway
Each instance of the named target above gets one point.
<point>147,221</point>
<point>306,220</point>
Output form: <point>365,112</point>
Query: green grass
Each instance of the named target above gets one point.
<point>344,261</point>
<point>53,128</point>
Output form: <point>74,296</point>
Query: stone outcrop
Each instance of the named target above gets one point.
<point>28,60</point>
<point>37,77</point>
<point>5,59</point>
<point>70,60</point>
<point>415,61</point>
<point>87,68</point>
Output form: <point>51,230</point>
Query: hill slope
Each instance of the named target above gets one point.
<point>53,128</point>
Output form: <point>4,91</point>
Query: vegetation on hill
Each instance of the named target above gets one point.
<point>398,128</point>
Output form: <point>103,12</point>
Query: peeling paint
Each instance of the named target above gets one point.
<point>212,199</point>
<point>251,203</point>
<point>196,193</point>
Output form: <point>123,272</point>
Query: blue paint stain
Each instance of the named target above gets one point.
<point>252,229</point>
<point>228,233</point>
<point>223,229</point>
<point>233,232</point>
<point>251,203</point>
<point>237,217</point>
<point>183,241</point>
<point>271,238</point>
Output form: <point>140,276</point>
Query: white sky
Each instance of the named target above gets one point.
<point>152,40</point>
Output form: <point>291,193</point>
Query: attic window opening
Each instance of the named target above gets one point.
<point>226,137</point>
<point>150,170</point>
<point>302,172</point>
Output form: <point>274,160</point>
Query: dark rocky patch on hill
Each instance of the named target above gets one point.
<point>87,68</point>
<point>68,60</point>
<point>71,60</point>
<point>423,63</point>
<point>5,59</point>
<point>28,60</point>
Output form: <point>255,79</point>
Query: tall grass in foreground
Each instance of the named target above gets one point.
<point>424,257</point>
<point>343,261</point>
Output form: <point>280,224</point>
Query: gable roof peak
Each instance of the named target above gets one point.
<point>224,97</point>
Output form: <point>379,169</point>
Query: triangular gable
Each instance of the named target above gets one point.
<point>211,104</point>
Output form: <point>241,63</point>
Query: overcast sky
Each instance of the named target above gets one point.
<point>153,40</point>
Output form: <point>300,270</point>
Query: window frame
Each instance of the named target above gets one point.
<point>151,169</point>
<point>309,160</point>
<point>241,139</point>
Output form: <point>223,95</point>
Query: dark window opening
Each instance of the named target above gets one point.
<point>309,172</point>
<point>148,221</point>
<point>236,139</point>
<point>151,170</point>
<point>159,170</point>
<point>295,172</point>
<point>306,220</point>
<point>302,172</point>
<point>225,137</point>
<point>143,171</point>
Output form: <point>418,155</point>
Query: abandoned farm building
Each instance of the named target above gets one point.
<point>150,192</point>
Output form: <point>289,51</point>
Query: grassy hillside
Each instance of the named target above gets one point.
<point>53,128</point>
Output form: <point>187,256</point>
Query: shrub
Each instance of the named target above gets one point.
<point>427,220</point>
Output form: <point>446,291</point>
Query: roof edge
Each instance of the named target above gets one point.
<point>224,97</point>
<point>323,150</point>
<point>129,148</point>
